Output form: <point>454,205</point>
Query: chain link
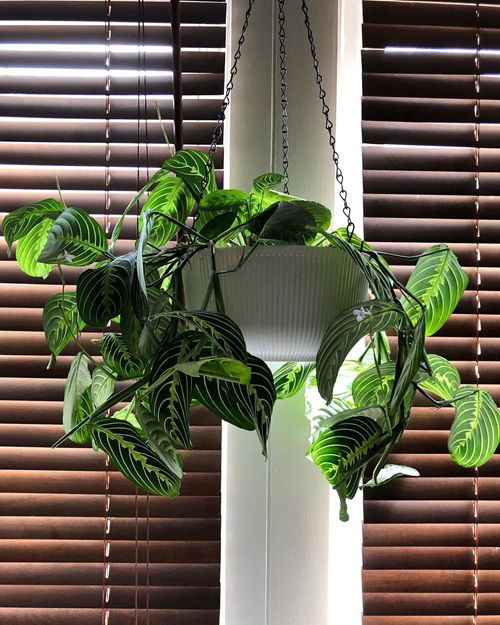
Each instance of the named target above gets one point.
<point>325,109</point>
<point>217,134</point>
<point>283,90</point>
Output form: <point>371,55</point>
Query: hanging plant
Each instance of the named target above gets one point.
<point>177,305</point>
<point>166,356</point>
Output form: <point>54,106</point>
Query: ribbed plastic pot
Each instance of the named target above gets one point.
<point>283,298</point>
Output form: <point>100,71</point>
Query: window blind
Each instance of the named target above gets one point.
<point>431,131</point>
<point>78,544</point>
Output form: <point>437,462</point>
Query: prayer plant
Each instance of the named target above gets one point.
<point>160,359</point>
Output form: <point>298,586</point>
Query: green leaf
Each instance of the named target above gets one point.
<point>77,398</point>
<point>283,221</point>
<point>221,330</point>
<point>291,378</point>
<point>159,440</point>
<point>61,321</point>
<point>190,165</point>
<point>262,201</point>
<point>141,245</point>
<point>475,432</point>
<point>343,334</point>
<point>75,238</point>
<point>438,282</point>
<point>411,362</point>
<point>218,225</point>
<point>131,328</point>
<point>126,414</point>
<point>266,182</point>
<point>155,327</point>
<point>102,293</point>
<point>118,358</point>
<point>373,386</point>
<point>29,248</point>
<point>172,198</point>
<point>170,398</point>
<point>339,411</point>
<point>155,178</point>
<point>391,471</point>
<point>344,446</point>
<point>321,214</point>
<point>223,200</point>
<point>445,378</point>
<point>132,456</point>
<point>21,221</point>
<point>220,368</point>
<point>249,407</point>
<point>358,243</point>
<point>102,386</point>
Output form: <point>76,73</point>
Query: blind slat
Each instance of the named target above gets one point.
<point>62,111</point>
<point>431,137</point>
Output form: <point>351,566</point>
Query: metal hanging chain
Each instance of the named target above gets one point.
<point>325,109</point>
<point>283,91</point>
<point>217,134</point>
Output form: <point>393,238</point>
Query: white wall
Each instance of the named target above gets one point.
<point>278,551</point>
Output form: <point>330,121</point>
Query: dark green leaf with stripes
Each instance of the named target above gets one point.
<point>118,357</point>
<point>61,322</point>
<point>155,434</point>
<point>291,378</point>
<point>102,293</point>
<point>134,458</point>
<point>170,397</point>
<point>220,329</point>
<point>248,406</point>
<point>343,334</point>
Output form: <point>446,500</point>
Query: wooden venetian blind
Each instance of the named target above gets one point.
<point>431,127</point>
<point>78,544</point>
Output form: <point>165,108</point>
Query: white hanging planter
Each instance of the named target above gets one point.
<point>283,298</point>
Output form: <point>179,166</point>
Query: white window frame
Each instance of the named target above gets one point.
<point>286,559</point>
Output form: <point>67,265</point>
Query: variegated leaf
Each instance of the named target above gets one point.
<point>291,378</point>
<point>102,292</point>
<point>344,446</point>
<point>343,334</point>
<point>18,223</point>
<point>220,329</point>
<point>75,238</point>
<point>475,432</point>
<point>249,406</point>
<point>171,198</point>
<point>170,397</point>
<point>445,378</point>
<point>134,458</point>
<point>61,322</point>
<point>438,282</point>
<point>118,357</point>
<point>77,398</point>
<point>190,165</point>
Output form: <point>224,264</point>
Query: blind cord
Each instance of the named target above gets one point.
<point>106,588</point>
<point>477,156</point>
